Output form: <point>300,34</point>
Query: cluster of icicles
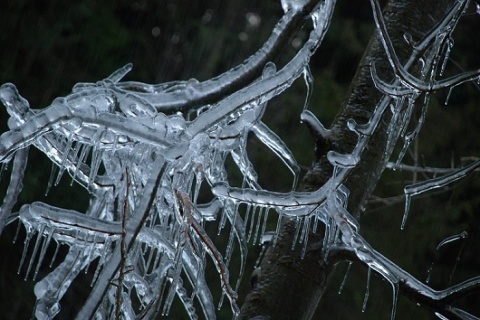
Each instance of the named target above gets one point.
<point>143,152</point>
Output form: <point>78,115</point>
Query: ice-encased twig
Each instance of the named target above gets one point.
<point>136,223</point>
<point>431,184</point>
<point>410,80</point>
<point>438,300</point>
<point>274,143</point>
<point>292,200</point>
<point>14,187</point>
<point>317,129</point>
<point>419,169</point>
<point>187,148</point>
<point>121,131</point>
<point>267,88</point>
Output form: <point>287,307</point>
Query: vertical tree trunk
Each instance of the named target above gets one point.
<point>285,286</point>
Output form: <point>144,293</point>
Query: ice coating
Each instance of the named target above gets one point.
<point>144,162</point>
<point>154,161</point>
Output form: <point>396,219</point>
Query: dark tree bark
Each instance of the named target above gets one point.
<point>287,286</point>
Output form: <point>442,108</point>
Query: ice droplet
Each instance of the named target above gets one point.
<point>346,161</point>
<point>292,4</point>
<point>269,70</point>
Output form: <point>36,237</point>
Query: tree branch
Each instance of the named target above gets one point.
<point>301,282</point>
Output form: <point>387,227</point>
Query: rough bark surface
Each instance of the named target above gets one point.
<point>287,286</point>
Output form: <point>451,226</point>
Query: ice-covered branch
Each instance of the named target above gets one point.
<point>267,88</point>
<point>414,83</point>
<point>15,186</point>
<point>190,95</point>
<point>145,154</point>
<point>435,183</point>
<point>439,301</point>
<point>144,223</point>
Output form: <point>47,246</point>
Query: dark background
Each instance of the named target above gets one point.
<point>46,48</point>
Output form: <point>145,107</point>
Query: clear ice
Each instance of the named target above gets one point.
<point>139,146</point>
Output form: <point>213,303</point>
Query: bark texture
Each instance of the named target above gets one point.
<point>287,286</point>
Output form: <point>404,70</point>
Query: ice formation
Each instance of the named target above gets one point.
<point>143,161</point>
<point>144,214</point>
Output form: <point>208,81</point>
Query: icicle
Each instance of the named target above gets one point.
<point>308,79</point>
<point>330,231</point>
<point>117,75</point>
<point>297,232</point>
<point>35,249</point>
<point>252,221</point>
<point>248,209</point>
<point>395,291</point>
<point>76,150</point>
<point>96,161</point>
<point>277,229</point>
<point>367,291</point>
<point>229,250</point>
<point>63,162</point>
<point>257,228</point>
<point>305,234</point>
<point>15,237</point>
<point>175,279</point>
<point>460,236</point>
<point>223,218</point>
<point>440,316</point>
<point>342,285</point>
<point>3,169</point>
<point>150,263</point>
<point>90,249</point>
<point>315,224</point>
<point>448,96</point>
<point>81,159</point>
<point>50,180</point>
<point>430,269</point>
<point>43,251</point>
<point>30,234</point>
<point>199,177</point>
<point>408,39</point>
<point>449,46</point>
<point>103,258</point>
<point>265,241</point>
<point>264,224</point>
<point>408,200</point>
<point>186,301</point>
<point>54,254</point>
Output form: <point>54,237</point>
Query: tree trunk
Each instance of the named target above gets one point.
<point>285,286</point>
